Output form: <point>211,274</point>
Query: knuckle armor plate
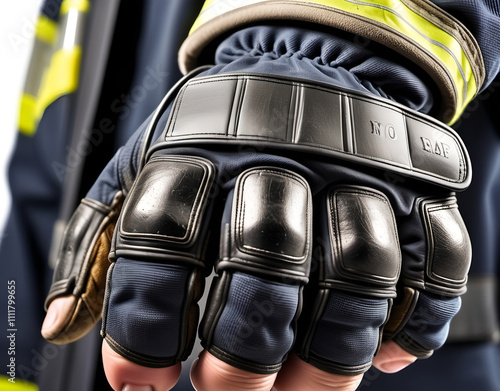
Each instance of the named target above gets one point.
<point>359,262</point>
<point>162,215</point>
<point>449,249</point>
<point>160,238</point>
<point>365,255</point>
<point>271,226</point>
<point>254,302</point>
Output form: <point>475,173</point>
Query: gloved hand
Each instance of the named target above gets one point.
<point>328,216</point>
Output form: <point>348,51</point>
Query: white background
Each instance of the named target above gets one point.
<point>17,24</point>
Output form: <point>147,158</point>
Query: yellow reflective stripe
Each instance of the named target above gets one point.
<point>27,115</point>
<point>444,46</point>
<point>214,8</point>
<point>46,29</point>
<point>79,5</point>
<point>61,78</point>
<point>395,15</point>
<point>19,385</point>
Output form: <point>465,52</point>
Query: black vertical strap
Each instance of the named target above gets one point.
<point>99,31</point>
<point>98,37</point>
<point>66,370</point>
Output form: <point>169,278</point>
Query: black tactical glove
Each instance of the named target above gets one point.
<point>328,214</point>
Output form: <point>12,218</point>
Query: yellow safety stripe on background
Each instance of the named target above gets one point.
<point>19,385</point>
<point>27,117</point>
<point>395,15</point>
<point>46,30</point>
<point>45,37</point>
<point>78,5</point>
<point>61,77</point>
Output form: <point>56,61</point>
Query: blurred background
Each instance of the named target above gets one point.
<point>17,28</point>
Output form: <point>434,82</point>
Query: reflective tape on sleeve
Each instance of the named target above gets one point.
<point>55,62</point>
<point>418,29</point>
<point>46,29</point>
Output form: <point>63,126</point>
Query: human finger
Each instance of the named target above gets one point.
<point>391,358</point>
<point>358,261</point>
<point>57,316</point>
<point>75,299</point>
<point>297,375</point>
<point>210,373</point>
<point>249,325</point>
<point>150,310</point>
<point>436,259</point>
<point>124,375</point>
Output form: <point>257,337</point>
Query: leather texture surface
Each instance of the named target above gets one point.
<point>321,119</point>
<point>271,225</point>
<point>82,266</point>
<point>449,252</point>
<point>163,213</point>
<point>365,256</point>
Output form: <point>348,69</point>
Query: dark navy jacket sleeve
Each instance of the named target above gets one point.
<point>482,18</point>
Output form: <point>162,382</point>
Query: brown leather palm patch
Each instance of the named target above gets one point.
<point>400,312</point>
<point>81,315</point>
<point>93,295</point>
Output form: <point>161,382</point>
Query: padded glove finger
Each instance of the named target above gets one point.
<point>424,326</point>
<point>150,313</point>
<point>82,265</point>
<point>358,263</point>
<point>254,303</point>
<point>151,310</point>
<point>436,260</point>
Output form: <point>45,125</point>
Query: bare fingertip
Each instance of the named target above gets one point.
<point>49,322</point>
<point>297,375</point>
<point>57,314</point>
<point>392,358</point>
<point>394,366</point>
<point>209,373</point>
<point>122,373</point>
<point>132,387</point>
